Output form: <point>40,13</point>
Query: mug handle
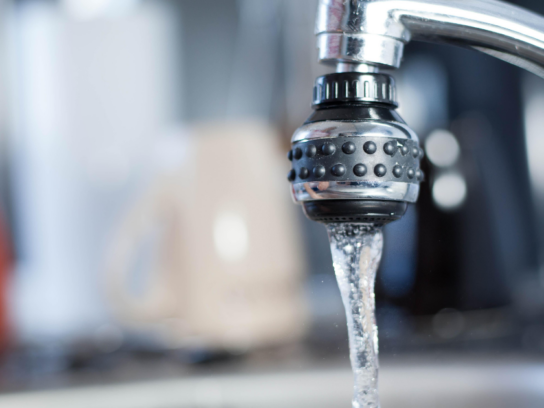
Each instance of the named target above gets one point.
<point>158,210</point>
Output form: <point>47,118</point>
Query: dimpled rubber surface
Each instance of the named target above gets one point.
<point>343,158</point>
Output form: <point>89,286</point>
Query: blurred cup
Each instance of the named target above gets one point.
<point>211,253</point>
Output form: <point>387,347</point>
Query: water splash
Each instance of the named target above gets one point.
<point>356,253</point>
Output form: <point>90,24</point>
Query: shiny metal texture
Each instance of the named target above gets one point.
<point>365,68</point>
<point>353,190</point>
<point>374,128</point>
<point>360,48</point>
<point>350,190</point>
<point>375,31</point>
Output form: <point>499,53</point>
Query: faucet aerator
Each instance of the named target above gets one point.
<point>353,161</point>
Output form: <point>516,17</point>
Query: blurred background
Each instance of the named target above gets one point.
<point>150,254</point>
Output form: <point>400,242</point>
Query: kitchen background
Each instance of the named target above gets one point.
<point>150,254</point>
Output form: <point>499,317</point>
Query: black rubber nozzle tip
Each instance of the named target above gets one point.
<point>356,211</point>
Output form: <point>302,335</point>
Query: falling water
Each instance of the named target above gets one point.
<point>356,252</point>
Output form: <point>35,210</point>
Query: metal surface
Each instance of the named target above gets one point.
<point>379,127</point>
<point>353,190</point>
<point>375,31</point>
<point>365,68</point>
<point>374,128</point>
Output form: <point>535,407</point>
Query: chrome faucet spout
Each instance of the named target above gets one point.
<point>355,160</point>
<point>374,32</point>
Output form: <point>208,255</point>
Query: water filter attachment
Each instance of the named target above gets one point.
<point>355,159</point>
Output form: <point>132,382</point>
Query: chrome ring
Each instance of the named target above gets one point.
<point>353,190</point>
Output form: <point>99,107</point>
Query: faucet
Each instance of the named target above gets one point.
<point>355,159</point>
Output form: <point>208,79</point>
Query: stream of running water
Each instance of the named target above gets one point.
<point>356,252</point>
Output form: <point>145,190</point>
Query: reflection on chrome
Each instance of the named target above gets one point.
<point>375,32</point>
<point>374,128</point>
<point>352,190</point>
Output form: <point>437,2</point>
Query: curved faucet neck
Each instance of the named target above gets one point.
<point>374,32</point>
